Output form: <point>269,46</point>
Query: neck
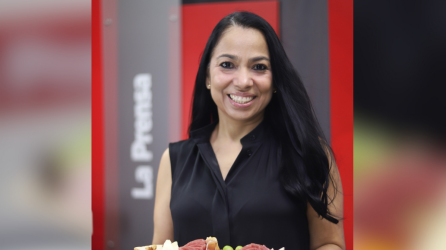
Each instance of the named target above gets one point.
<point>233,130</point>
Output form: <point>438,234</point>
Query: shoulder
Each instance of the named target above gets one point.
<point>165,163</point>
<point>181,147</point>
<point>182,143</point>
<point>166,156</point>
<point>179,151</point>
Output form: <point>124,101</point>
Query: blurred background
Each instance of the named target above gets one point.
<point>49,107</point>
<point>45,124</point>
<point>399,125</point>
<point>45,113</point>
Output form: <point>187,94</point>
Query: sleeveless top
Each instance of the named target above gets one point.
<point>249,206</point>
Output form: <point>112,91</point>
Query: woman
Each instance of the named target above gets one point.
<point>256,168</point>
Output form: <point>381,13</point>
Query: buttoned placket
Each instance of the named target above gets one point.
<point>220,204</point>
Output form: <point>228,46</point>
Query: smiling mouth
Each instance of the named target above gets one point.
<point>241,99</point>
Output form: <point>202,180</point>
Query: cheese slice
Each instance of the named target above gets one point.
<point>175,245</point>
<point>167,245</point>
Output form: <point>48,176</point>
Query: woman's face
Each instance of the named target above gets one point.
<point>240,75</point>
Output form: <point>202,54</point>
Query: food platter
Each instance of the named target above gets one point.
<point>210,243</point>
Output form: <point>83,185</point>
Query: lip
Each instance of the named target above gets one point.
<point>241,105</point>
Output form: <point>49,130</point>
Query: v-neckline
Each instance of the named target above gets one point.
<point>250,143</point>
<point>233,165</point>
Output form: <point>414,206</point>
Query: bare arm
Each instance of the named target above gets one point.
<point>325,235</point>
<point>163,225</point>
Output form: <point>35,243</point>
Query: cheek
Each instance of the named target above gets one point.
<point>217,93</point>
<point>221,79</point>
<point>268,98</point>
<point>265,84</point>
<point>266,89</point>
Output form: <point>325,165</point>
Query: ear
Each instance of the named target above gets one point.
<point>208,82</point>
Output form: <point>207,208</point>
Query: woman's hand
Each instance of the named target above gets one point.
<point>162,218</point>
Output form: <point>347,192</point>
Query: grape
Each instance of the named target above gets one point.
<point>228,248</point>
<point>238,247</point>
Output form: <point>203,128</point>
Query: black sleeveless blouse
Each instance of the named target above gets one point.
<point>249,206</point>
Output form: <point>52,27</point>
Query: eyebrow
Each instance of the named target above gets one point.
<point>229,56</point>
<point>255,59</point>
<point>258,58</point>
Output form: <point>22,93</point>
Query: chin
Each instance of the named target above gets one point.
<point>243,116</point>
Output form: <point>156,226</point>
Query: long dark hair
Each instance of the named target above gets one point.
<point>305,169</point>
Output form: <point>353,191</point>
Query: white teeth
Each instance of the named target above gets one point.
<point>241,100</point>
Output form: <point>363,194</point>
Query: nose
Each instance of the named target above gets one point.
<point>243,79</point>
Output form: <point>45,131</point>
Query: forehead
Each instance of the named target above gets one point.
<point>239,40</point>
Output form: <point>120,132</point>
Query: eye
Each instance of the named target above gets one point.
<point>260,67</point>
<point>227,65</point>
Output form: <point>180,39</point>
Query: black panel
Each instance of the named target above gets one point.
<point>400,62</point>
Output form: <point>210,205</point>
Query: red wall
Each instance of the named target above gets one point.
<point>340,16</point>
<point>97,169</point>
